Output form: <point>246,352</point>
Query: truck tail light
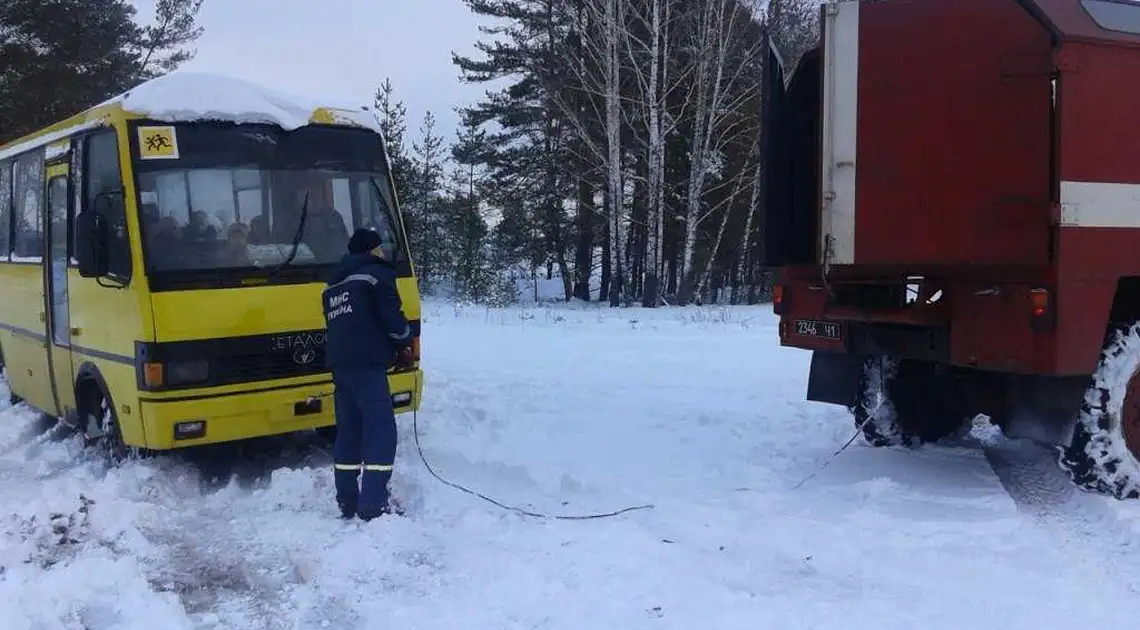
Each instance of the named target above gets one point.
<point>1041,309</point>
<point>779,294</point>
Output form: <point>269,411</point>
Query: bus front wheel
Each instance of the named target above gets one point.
<point>99,423</point>
<point>13,399</point>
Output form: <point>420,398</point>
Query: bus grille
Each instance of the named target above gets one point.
<point>244,368</point>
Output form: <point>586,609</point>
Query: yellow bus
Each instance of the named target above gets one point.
<point>162,257</point>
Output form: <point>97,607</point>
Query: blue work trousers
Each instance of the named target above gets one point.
<point>365,447</point>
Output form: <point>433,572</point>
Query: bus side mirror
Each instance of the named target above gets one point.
<point>91,240</point>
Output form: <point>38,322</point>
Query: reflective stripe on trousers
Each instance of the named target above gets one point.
<point>368,467</point>
<point>366,437</point>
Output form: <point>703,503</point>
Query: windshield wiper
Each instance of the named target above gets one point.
<point>296,238</point>
<point>393,220</point>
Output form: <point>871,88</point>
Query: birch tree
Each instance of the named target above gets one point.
<point>744,255</point>
<point>790,28</point>
<point>614,13</point>
<point>741,182</point>
<point>725,83</point>
<point>650,68</point>
<point>648,111</point>
<point>599,51</point>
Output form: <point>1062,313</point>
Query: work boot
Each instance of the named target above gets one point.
<point>347,510</point>
<point>367,513</point>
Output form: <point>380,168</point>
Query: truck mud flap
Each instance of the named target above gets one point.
<point>1043,409</point>
<point>834,377</point>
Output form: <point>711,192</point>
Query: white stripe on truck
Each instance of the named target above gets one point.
<point>840,100</point>
<point>1097,204</point>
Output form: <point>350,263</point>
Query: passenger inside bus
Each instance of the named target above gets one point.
<point>259,231</point>
<point>236,251</point>
<point>325,230</point>
<point>217,218</point>
<point>199,229</point>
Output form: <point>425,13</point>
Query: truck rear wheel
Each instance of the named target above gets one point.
<point>906,403</point>
<point>1104,454</point>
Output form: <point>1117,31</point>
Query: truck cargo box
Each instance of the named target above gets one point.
<point>952,194</point>
<point>933,138</point>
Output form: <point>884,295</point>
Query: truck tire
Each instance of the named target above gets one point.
<point>1104,453</point>
<point>906,403</point>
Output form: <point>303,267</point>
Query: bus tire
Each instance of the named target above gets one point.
<point>98,422</point>
<point>327,434</point>
<point>13,399</point>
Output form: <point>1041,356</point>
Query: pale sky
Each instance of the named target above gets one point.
<point>343,50</point>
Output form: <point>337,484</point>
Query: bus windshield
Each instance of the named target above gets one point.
<point>250,198</point>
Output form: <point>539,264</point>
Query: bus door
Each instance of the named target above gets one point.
<point>55,284</point>
<point>26,352</point>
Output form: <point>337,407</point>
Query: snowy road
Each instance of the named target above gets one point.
<point>695,411</point>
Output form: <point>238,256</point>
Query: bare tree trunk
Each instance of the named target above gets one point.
<point>607,260</point>
<point>744,259</point>
<point>656,164</point>
<point>704,276</point>
<point>599,50</point>
<point>613,143</point>
<point>584,255</point>
<point>697,157</point>
<point>724,91</point>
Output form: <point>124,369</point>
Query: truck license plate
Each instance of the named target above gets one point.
<point>818,329</point>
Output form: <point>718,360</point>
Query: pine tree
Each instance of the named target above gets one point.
<point>93,47</point>
<point>425,190</point>
<point>531,152</point>
<point>643,115</point>
<point>162,44</point>
<point>474,276</point>
<point>392,116</point>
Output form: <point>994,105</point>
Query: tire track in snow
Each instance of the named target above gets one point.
<point>1030,475</point>
<point>1084,525</point>
<point>217,568</point>
<point>188,520</point>
<point>213,555</point>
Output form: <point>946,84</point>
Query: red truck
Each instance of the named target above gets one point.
<point>953,202</point>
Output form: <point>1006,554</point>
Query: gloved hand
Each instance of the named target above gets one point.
<point>405,358</point>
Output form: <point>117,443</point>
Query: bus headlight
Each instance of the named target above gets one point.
<point>186,372</point>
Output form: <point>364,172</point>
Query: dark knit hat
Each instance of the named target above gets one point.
<point>363,241</point>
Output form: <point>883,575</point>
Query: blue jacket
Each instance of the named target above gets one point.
<point>366,327</point>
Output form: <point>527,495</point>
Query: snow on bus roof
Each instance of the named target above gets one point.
<point>182,96</point>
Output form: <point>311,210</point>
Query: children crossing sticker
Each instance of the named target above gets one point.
<point>158,143</point>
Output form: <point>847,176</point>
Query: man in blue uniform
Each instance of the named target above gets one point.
<point>366,331</point>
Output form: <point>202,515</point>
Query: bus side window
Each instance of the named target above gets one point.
<point>101,175</point>
<point>5,210</point>
<point>28,208</point>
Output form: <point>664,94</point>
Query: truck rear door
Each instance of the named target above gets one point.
<point>935,134</point>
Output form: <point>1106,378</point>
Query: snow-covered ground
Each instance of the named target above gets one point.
<point>696,411</point>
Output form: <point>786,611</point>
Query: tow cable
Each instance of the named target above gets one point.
<point>509,508</point>
<point>834,456</point>
<point>562,517</point>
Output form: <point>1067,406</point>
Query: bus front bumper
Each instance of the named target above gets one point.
<point>193,420</point>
